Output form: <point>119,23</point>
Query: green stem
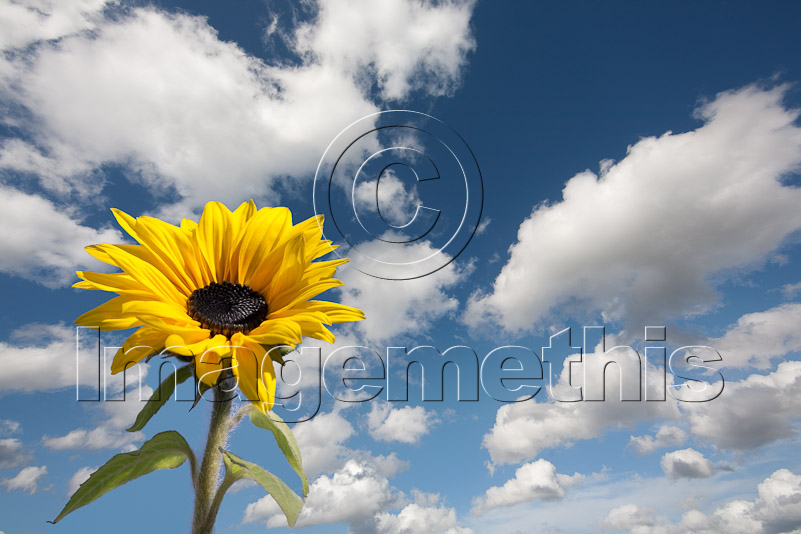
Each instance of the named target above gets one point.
<point>216,502</point>
<point>227,481</point>
<point>206,478</point>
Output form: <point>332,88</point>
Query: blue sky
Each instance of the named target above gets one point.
<point>640,167</point>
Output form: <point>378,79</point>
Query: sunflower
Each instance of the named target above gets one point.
<point>221,292</point>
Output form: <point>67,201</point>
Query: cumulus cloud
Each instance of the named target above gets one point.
<point>666,436</point>
<point>585,253</point>
<point>13,453</point>
<point>9,426</point>
<point>405,425</point>
<point>397,309</point>
<point>789,291</point>
<point>360,495</point>
<point>759,337</point>
<point>776,509</point>
<point>53,347</point>
<point>353,494</point>
<point>47,243</point>
<point>523,429</point>
<point>397,204</point>
<point>110,433</point>
<point>305,372</point>
<point>26,480</point>
<point>25,21</point>
<point>630,518</point>
<point>755,411</point>
<point>426,517</point>
<point>686,463</point>
<point>534,480</point>
<point>321,441</point>
<point>94,439</point>
<point>207,120</point>
<point>322,445</point>
<point>406,45</point>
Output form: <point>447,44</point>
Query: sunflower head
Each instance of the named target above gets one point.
<point>223,292</point>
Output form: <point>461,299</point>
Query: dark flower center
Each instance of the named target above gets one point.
<point>226,308</point>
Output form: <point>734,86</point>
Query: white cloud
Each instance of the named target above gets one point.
<point>666,436</point>
<point>523,429</point>
<point>776,509</point>
<point>94,439</point>
<point>321,441</point>
<point>80,476</point>
<point>535,480</point>
<point>25,21</point>
<point>752,412</point>
<point>13,453</point>
<point>789,291</point>
<point>47,243</point>
<point>419,518</point>
<point>305,372</point>
<point>642,242</point>
<point>51,348</point>
<point>67,353</point>
<point>630,518</point>
<point>109,433</point>
<point>405,425</point>
<point>398,308</point>
<point>405,45</point>
<point>353,494</point>
<point>757,338</point>
<point>397,205</point>
<point>483,225</point>
<point>26,480</point>
<point>8,426</point>
<point>686,463</point>
<point>182,121</point>
<point>360,495</point>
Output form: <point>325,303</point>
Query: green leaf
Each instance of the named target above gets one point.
<point>236,469</point>
<point>166,450</point>
<point>286,441</point>
<point>160,396</point>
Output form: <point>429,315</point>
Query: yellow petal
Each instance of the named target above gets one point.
<point>239,220</point>
<point>303,291</point>
<point>337,313</point>
<point>258,240</point>
<point>190,332</point>
<point>214,238</point>
<point>156,308</point>
<point>119,283</point>
<point>176,343</point>
<point>316,330</point>
<point>137,263</point>
<point>321,249</point>
<point>291,271</point>
<point>255,375</point>
<point>173,249</point>
<point>109,316</point>
<point>211,363</point>
<point>276,332</point>
<point>141,344</point>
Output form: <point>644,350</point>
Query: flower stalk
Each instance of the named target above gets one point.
<point>207,477</point>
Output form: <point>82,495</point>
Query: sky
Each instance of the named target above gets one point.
<point>619,165</point>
